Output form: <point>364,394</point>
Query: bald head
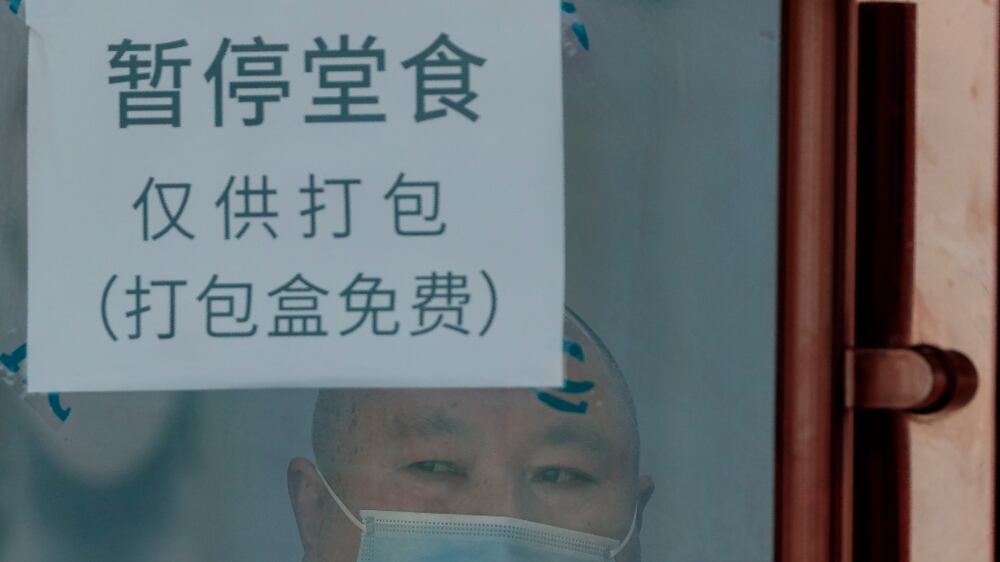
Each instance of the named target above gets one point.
<point>587,359</point>
<point>566,457</point>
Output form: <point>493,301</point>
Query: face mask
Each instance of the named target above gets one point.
<point>392,536</point>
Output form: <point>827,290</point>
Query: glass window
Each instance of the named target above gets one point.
<point>661,443</point>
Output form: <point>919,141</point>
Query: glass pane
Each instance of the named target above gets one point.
<point>672,136</point>
<point>671,111</point>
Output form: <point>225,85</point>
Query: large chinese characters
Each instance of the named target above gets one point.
<point>252,74</point>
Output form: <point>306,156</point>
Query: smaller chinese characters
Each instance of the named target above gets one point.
<point>135,307</point>
<point>246,205</point>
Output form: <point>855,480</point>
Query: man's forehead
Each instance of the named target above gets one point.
<point>594,401</point>
<point>439,406</point>
<point>514,416</point>
<point>408,413</point>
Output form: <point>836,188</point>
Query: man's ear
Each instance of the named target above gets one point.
<point>646,489</point>
<point>307,495</point>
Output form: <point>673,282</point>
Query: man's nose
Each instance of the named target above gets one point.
<point>497,494</point>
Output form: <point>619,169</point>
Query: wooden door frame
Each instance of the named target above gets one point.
<point>814,429</point>
<point>813,476</point>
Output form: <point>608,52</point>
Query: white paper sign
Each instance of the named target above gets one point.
<point>244,193</point>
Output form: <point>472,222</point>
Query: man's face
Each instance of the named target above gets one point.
<point>475,452</point>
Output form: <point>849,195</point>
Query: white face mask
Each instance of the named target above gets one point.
<point>392,536</point>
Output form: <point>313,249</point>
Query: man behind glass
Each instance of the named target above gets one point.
<point>565,458</point>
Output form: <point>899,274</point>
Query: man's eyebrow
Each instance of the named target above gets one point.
<point>429,424</point>
<point>576,435</point>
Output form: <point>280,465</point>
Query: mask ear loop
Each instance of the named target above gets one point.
<point>347,512</point>
<point>631,531</point>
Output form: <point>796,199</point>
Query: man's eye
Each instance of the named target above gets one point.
<point>437,468</point>
<point>563,476</point>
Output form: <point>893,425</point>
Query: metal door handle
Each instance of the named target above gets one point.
<point>921,379</point>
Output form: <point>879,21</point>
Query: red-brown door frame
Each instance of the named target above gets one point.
<point>813,476</point>
<point>817,300</point>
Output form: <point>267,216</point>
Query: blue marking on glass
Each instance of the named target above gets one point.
<point>577,387</point>
<point>580,31</point>
<point>12,361</point>
<point>568,7</point>
<point>557,403</point>
<point>57,408</point>
<point>574,350</point>
<point>15,5</point>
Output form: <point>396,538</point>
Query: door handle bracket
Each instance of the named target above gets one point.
<point>921,379</point>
